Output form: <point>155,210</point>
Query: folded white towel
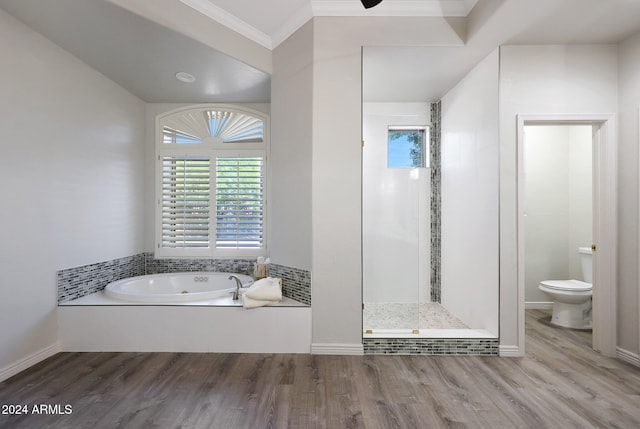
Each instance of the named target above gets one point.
<point>253,303</point>
<point>268,289</point>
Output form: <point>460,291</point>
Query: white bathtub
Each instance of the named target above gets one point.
<point>175,287</point>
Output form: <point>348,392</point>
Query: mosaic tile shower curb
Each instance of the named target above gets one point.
<point>77,282</point>
<point>432,346</point>
<point>436,198</point>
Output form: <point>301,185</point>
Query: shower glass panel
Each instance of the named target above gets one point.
<point>396,187</point>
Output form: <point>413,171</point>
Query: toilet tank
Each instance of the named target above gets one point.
<point>586,263</point>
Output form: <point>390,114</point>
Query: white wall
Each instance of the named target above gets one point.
<point>291,116</point>
<point>395,211</point>
<point>628,263</point>
<point>558,203</point>
<point>469,168</point>
<point>571,79</point>
<point>336,157</point>
<point>72,175</point>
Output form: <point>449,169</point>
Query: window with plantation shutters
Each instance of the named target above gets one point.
<point>212,163</point>
<point>185,202</point>
<point>239,202</point>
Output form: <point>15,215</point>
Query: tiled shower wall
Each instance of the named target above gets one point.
<point>77,282</point>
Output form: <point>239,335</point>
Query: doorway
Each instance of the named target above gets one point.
<point>602,222</point>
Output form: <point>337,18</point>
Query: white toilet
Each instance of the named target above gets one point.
<point>572,298</point>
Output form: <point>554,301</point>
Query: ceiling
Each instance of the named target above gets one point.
<point>426,73</point>
<point>140,55</point>
<point>143,56</point>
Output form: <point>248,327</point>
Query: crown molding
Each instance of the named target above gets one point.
<point>451,8</point>
<point>297,20</point>
<point>230,21</point>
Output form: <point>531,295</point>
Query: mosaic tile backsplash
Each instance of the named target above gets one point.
<point>161,266</point>
<point>80,281</point>
<point>296,283</point>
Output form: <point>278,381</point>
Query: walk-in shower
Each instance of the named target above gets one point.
<point>418,226</point>
<point>401,220</point>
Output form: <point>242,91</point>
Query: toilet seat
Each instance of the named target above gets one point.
<point>567,285</point>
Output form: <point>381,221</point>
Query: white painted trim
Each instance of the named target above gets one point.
<point>229,20</point>
<point>448,8</point>
<point>356,349</point>
<point>291,25</point>
<point>627,356</point>
<point>605,236</point>
<point>29,361</point>
<point>531,305</point>
<point>604,220</point>
<point>510,351</point>
<point>452,8</point>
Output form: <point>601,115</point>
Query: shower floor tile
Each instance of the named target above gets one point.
<point>392,315</point>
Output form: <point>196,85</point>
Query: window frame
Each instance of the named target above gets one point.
<point>212,148</point>
<point>426,149</point>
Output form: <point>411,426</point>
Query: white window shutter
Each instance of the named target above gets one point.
<point>240,202</point>
<point>186,202</point>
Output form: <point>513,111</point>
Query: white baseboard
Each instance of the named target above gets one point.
<point>538,305</point>
<point>509,351</point>
<point>22,364</point>
<point>337,349</point>
<point>627,356</point>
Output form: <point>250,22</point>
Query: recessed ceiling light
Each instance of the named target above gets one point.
<point>185,77</point>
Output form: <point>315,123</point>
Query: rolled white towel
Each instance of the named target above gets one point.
<point>253,303</point>
<point>268,289</point>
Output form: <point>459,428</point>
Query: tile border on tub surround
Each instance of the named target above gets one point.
<point>77,282</point>
<point>431,346</point>
<point>169,265</point>
<point>296,283</point>
<point>73,283</point>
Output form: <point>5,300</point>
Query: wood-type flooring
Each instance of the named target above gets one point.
<point>561,383</point>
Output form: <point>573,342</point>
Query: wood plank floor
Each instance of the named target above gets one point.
<point>561,383</point>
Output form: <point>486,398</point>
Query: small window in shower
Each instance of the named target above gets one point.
<point>408,147</point>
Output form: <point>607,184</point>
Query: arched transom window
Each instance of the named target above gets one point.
<point>211,182</point>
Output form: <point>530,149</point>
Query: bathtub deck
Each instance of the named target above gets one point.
<point>100,298</point>
<point>97,323</point>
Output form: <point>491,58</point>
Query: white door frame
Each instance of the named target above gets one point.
<point>604,223</point>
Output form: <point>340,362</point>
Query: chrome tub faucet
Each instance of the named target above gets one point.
<point>236,293</point>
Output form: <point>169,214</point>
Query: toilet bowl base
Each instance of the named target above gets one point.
<point>574,316</point>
